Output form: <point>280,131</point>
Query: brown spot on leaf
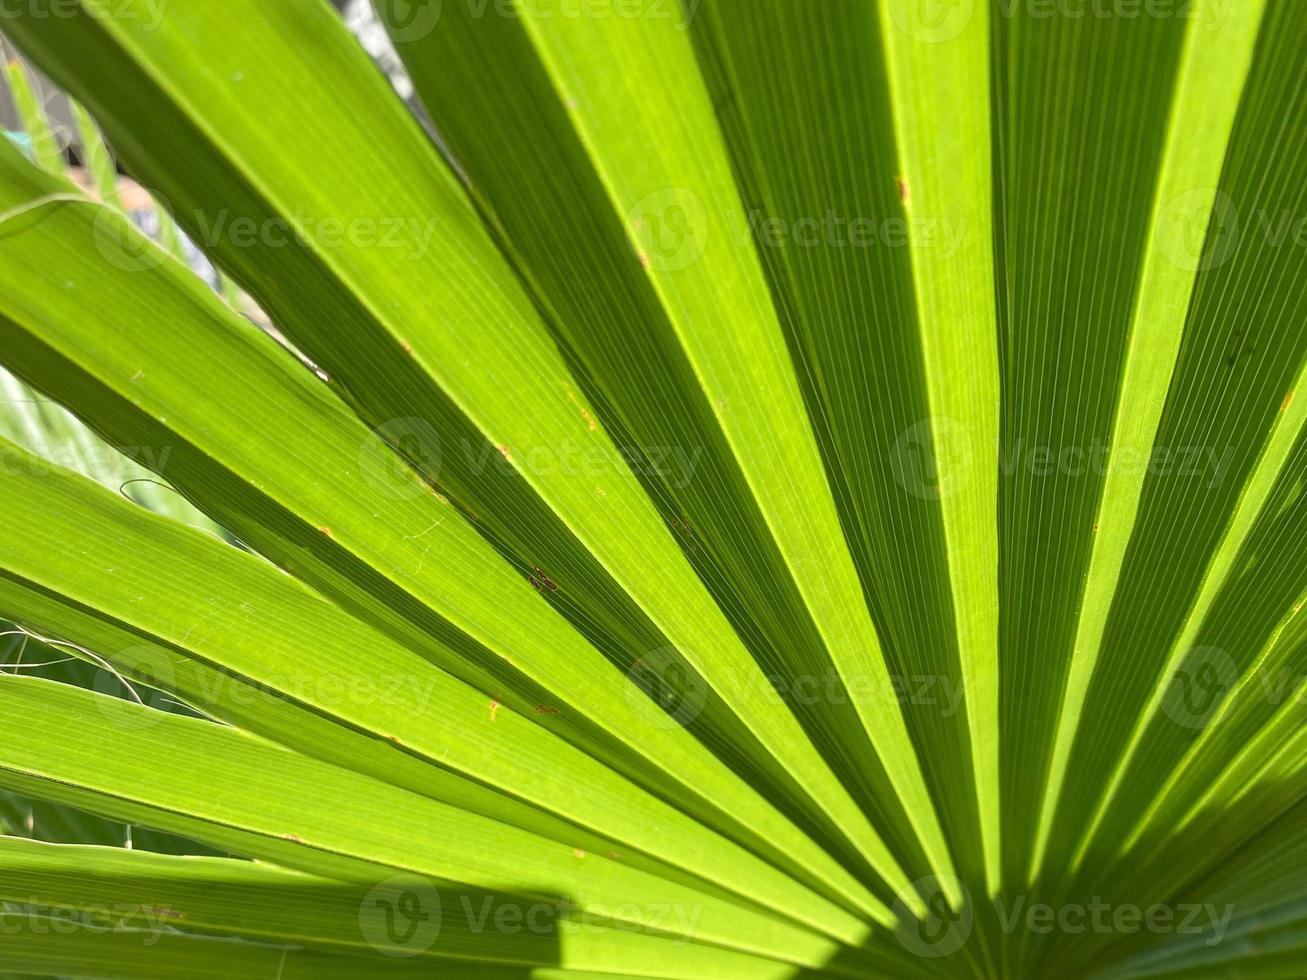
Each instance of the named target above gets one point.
<point>686,530</point>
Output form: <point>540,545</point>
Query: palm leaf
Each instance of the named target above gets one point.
<point>778,489</point>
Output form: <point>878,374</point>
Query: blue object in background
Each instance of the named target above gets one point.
<point>23,142</point>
